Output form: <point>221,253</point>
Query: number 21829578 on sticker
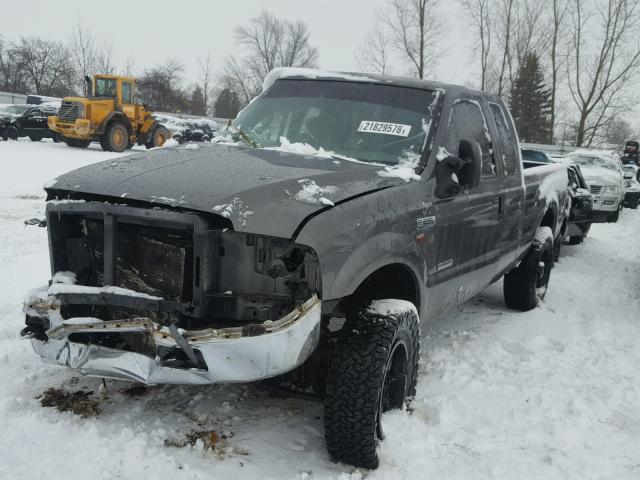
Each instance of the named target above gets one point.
<point>384,128</point>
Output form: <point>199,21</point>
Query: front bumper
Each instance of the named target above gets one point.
<point>81,128</point>
<point>606,203</point>
<point>228,355</point>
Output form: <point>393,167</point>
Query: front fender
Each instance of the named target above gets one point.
<point>356,238</point>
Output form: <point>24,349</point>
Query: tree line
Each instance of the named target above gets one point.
<point>565,67</point>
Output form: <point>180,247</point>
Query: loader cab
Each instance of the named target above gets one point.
<point>110,86</point>
<point>122,89</point>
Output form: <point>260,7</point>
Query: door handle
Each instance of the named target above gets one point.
<point>498,201</point>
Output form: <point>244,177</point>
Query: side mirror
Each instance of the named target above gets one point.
<point>471,153</point>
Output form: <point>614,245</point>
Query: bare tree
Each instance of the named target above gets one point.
<point>46,66</point>
<point>504,28</point>
<point>205,77</point>
<point>105,63</point>
<point>269,43</point>
<point>479,14</point>
<point>83,48</point>
<point>129,66</point>
<point>12,74</point>
<point>161,87</point>
<point>415,27</point>
<point>373,54</point>
<point>603,66</point>
<point>558,12</point>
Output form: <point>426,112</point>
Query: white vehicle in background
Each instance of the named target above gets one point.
<point>603,173</point>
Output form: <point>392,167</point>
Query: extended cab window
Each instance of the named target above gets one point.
<point>370,122</point>
<point>507,140</point>
<point>467,122</point>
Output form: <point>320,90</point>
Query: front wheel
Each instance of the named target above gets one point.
<point>526,285</point>
<point>115,139</point>
<point>158,137</point>
<point>613,217</point>
<point>374,368</point>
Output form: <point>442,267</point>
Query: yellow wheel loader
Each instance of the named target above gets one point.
<point>109,114</point>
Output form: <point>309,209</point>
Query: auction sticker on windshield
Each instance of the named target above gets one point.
<point>385,128</point>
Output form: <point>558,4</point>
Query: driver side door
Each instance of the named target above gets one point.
<point>467,226</point>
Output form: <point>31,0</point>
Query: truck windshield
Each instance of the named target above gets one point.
<point>369,122</point>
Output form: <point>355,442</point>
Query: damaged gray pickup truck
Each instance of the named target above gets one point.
<point>339,214</point>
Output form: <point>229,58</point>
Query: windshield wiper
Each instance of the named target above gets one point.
<point>245,138</point>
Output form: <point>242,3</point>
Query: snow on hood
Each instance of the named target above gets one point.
<point>311,73</point>
<point>599,175</point>
<point>259,191</point>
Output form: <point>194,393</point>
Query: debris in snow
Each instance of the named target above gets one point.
<point>404,169</point>
<point>209,440</point>
<point>310,73</point>
<point>313,193</point>
<point>40,222</point>
<point>79,402</point>
<point>300,149</point>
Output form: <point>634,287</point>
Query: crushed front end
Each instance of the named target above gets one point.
<point>164,296</point>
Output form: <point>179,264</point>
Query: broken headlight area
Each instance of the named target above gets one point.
<point>174,291</point>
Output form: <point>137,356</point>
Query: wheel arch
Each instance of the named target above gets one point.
<point>115,117</point>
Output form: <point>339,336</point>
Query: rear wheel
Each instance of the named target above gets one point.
<point>374,369</point>
<point>115,139</point>
<point>158,137</point>
<point>12,133</point>
<point>526,285</point>
<point>76,142</point>
<point>635,203</point>
<point>57,138</point>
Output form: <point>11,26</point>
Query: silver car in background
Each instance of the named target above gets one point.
<point>603,173</point>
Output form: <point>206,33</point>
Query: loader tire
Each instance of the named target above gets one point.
<point>374,368</point>
<point>76,142</point>
<point>526,285</point>
<point>115,139</point>
<point>158,137</point>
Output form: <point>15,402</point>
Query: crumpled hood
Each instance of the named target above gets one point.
<point>600,176</point>
<point>260,191</point>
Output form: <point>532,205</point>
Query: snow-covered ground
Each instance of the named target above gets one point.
<point>549,394</point>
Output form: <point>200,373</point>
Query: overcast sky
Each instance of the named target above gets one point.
<point>152,31</point>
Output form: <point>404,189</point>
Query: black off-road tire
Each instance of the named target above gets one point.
<point>613,217</point>
<point>57,138</point>
<point>526,285</point>
<point>12,133</point>
<point>634,205</point>
<point>33,138</point>
<point>159,135</point>
<point>374,368</point>
<point>115,139</point>
<point>76,142</point>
